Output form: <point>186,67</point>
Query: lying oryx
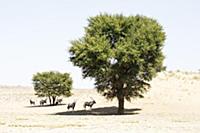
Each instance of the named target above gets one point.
<point>59,101</point>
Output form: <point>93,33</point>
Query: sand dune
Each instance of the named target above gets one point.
<point>172,105</point>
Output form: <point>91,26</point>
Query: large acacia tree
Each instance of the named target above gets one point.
<point>122,53</point>
<point>52,84</point>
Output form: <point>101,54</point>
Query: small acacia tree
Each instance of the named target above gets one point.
<point>52,85</point>
<point>121,53</point>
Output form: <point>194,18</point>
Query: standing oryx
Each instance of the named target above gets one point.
<point>32,102</point>
<point>42,102</point>
<point>90,103</point>
<point>71,105</point>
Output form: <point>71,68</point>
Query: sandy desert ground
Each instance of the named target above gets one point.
<point>172,105</point>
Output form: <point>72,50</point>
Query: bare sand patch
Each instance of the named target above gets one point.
<point>172,105</point>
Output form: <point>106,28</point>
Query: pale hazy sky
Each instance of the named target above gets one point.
<point>35,34</point>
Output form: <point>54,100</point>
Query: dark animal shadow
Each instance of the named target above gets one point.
<point>46,105</point>
<point>100,111</point>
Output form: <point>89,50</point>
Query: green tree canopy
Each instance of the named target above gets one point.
<point>52,85</point>
<point>122,53</point>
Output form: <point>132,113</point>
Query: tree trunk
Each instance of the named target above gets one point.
<point>54,99</point>
<point>120,104</point>
<point>120,97</point>
<point>50,100</point>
